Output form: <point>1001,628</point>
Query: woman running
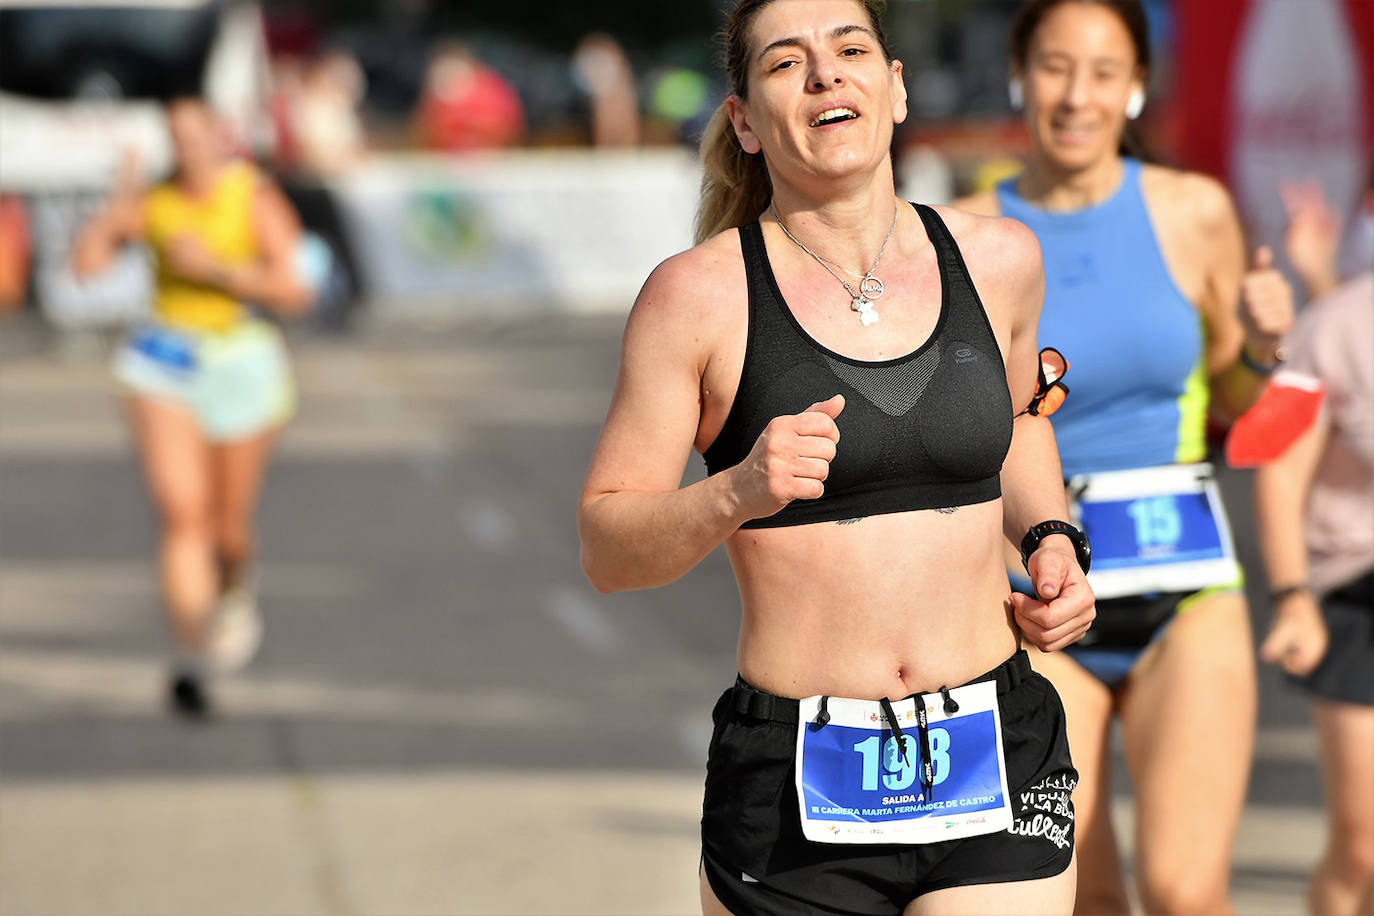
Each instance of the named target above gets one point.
<point>1315,506</point>
<point>1144,271</point>
<point>207,385</point>
<point>855,371</point>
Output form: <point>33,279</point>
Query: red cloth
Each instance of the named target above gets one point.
<point>482,113</point>
<point>1284,411</point>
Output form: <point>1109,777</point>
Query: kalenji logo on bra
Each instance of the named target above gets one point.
<point>965,355</point>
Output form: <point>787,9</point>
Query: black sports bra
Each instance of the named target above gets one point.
<point>922,431</point>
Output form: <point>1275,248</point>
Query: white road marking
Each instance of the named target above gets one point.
<point>583,620</point>
<point>488,524</point>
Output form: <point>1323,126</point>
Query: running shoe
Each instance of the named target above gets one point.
<point>235,631</point>
<point>188,697</point>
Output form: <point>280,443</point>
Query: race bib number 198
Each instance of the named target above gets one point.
<point>855,786</point>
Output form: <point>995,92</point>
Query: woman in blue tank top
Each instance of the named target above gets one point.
<point>1148,296</point>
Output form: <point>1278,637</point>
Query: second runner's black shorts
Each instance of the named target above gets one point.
<point>758,861</point>
<point>1346,673</point>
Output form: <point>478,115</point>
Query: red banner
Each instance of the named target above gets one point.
<point>1275,90</point>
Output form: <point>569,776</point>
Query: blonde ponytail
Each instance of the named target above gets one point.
<point>734,187</point>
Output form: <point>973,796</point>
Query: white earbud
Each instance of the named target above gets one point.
<point>1136,103</point>
<point>1015,94</point>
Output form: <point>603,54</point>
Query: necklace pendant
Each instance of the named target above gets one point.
<point>867,313</point>
<point>871,287</point>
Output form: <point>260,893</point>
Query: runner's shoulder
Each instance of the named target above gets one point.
<point>695,292</point>
<point>1189,197</point>
<point>993,245</point>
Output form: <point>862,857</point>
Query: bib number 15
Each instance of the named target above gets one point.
<point>1157,521</point>
<point>898,773</point>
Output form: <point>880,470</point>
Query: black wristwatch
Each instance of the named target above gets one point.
<point>1039,532</point>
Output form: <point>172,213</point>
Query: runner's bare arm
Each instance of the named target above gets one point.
<point>276,282</point>
<point>1246,301</point>
<point>119,221</point>
<point>1032,481</point>
<point>638,527</point>
<point>1004,259</point>
<point>1297,636</point>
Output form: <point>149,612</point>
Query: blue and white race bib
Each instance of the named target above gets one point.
<point>1159,529</point>
<point>168,348</point>
<point>853,785</point>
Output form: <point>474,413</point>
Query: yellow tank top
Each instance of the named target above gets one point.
<point>222,221</point>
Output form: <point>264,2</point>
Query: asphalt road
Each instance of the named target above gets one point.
<point>445,717</point>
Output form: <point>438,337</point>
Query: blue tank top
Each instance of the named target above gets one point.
<point>1135,345</point>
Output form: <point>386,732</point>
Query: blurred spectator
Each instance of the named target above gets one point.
<point>681,96</point>
<point>1312,237</point>
<point>287,70</point>
<point>466,105</point>
<point>315,109</point>
<point>600,67</point>
<point>15,252</point>
<point>328,129</point>
<point>1315,507</point>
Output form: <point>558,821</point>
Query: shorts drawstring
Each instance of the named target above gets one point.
<point>923,735</point>
<point>951,704</point>
<point>886,705</point>
<point>823,717</point>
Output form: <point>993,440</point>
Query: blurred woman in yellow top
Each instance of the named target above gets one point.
<point>206,383</point>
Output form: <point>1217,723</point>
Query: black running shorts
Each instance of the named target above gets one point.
<point>758,861</point>
<point>1346,672</point>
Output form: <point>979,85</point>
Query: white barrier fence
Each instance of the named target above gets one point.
<point>527,231</point>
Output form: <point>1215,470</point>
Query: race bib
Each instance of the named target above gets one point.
<point>165,347</point>
<point>1160,529</point>
<point>855,786</point>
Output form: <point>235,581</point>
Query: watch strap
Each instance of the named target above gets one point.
<point>1039,532</point>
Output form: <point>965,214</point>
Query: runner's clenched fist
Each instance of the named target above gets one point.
<point>790,460</point>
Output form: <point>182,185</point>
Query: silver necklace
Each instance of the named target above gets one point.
<point>870,287</point>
